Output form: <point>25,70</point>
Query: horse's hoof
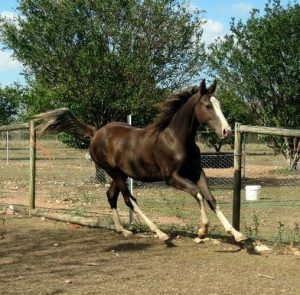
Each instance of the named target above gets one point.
<point>169,243</point>
<point>240,237</point>
<point>202,233</point>
<point>164,237</point>
<point>124,232</point>
<point>127,233</point>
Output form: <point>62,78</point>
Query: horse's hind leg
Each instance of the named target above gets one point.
<point>205,192</point>
<point>130,201</point>
<point>112,196</point>
<point>161,235</point>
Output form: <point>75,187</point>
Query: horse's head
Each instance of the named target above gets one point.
<point>208,111</point>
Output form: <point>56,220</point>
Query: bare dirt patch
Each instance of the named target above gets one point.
<point>45,257</point>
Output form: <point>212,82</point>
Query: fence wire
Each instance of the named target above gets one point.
<point>276,214</point>
<point>14,163</point>
<point>68,181</point>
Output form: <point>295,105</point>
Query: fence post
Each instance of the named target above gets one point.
<point>32,142</point>
<point>7,148</point>
<point>130,183</point>
<point>236,204</point>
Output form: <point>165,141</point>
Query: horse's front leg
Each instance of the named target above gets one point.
<point>188,186</point>
<point>205,192</point>
<point>203,230</point>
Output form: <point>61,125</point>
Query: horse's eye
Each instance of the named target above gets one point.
<point>209,106</point>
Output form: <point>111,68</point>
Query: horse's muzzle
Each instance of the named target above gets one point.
<point>226,133</point>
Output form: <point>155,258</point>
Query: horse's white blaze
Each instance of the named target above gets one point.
<point>161,235</point>
<point>218,111</point>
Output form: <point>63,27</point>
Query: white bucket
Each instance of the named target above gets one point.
<point>252,192</point>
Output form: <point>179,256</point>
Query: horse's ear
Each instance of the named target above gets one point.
<point>213,87</point>
<point>202,88</point>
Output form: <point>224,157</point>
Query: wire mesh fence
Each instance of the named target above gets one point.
<point>68,181</point>
<point>14,163</point>
<point>218,168</point>
<point>276,213</point>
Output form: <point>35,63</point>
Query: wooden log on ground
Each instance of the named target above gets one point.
<point>86,221</point>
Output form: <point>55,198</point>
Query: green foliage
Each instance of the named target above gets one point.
<point>252,231</point>
<point>104,59</point>
<point>259,62</point>
<point>10,104</point>
<point>76,142</point>
<point>287,235</point>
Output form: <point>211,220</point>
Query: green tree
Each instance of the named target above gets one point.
<point>259,62</point>
<point>104,59</point>
<point>10,104</point>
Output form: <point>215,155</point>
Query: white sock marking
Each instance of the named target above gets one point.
<point>117,221</point>
<point>204,218</point>
<point>161,235</point>
<point>118,226</point>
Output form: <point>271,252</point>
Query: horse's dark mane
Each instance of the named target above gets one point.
<point>169,107</point>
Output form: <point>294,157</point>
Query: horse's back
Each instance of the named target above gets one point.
<point>113,137</point>
<point>119,146</point>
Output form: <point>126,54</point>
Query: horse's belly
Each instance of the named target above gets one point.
<point>142,171</point>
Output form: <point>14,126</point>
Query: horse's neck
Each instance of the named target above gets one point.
<point>184,124</point>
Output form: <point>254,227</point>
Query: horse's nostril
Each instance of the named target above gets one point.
<point>226,132</point>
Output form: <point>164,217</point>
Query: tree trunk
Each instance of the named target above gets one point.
<point>295,153</point>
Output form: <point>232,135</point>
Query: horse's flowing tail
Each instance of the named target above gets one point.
<point>63,120</point>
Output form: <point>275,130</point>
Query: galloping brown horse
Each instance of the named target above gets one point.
<point>164,150</point>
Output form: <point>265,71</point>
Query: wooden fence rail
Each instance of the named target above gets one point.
<point>14,127</point>
<point>269,130</point>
